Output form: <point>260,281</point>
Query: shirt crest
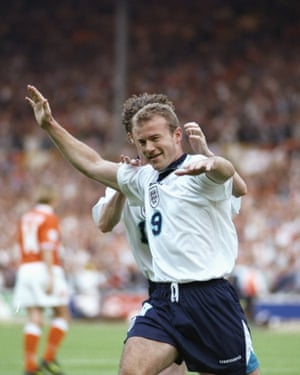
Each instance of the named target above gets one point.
<point>153,195</point>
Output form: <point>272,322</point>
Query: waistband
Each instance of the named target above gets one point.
<point>167,285</point>
<point>172,289</point>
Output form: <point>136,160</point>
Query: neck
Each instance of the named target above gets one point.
<point>177,161</point>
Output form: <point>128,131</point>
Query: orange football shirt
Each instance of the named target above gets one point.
<point>39,230</point>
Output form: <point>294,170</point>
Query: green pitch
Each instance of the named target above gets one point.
<point>94,349</point>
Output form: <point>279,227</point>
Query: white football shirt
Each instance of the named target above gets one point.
<point>188,220</point>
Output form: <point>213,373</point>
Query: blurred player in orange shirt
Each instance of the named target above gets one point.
<point>41,283</point>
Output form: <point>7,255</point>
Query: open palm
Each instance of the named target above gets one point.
<point>40,105</point>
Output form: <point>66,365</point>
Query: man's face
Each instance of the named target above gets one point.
<point>156,143</point>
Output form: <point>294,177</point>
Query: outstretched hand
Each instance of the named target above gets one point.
<point>197,166</point>
<point>40,106</point>
<point>216,168</point>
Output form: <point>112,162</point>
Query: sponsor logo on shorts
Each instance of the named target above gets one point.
<point>230,360</point>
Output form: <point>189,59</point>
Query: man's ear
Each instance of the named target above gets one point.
<point>129,137</point>
<point>178,134</point>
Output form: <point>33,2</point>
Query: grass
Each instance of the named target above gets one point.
<point>95,348</point>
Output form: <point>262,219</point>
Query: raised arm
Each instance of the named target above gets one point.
<point>80,155</point>
<point>199,145</point>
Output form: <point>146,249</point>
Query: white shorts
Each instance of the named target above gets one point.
<point>31,283</point>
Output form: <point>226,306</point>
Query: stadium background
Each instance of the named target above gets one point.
<point>232,66</point>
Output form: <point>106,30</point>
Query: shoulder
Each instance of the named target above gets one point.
<point>129,172</point>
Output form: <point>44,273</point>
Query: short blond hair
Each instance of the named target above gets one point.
<point>156,109</point>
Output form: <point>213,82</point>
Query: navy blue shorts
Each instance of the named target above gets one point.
<point>204,321</point>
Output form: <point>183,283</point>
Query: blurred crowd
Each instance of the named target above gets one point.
<point>234,67</point>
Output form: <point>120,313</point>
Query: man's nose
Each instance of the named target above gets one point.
<point>149,145</point>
